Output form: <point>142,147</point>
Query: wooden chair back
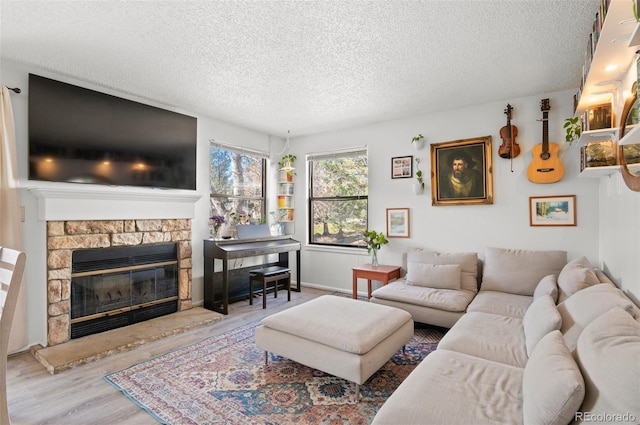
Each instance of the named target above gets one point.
<point>11,271</point>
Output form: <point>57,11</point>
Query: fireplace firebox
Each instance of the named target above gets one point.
<point>119,286</point>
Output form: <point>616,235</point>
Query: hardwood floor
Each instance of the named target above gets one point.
<point>81,396</point>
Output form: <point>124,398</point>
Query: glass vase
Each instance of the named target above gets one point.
<point>374,257</point>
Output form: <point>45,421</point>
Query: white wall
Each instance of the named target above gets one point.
<point>505,223</point>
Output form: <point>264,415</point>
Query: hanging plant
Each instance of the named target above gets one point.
<point>418,141</point>
<point>573,129</point>
<point>419,175</point>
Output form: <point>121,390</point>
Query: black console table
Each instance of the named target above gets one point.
<point>228,285</point>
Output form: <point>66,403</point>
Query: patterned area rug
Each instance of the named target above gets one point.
<point>223,380</point>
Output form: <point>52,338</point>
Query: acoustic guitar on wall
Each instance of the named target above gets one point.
<point>545,166</point>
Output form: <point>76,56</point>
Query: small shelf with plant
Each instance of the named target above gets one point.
<point>286,187</point>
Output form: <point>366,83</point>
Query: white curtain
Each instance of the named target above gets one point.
<point>10,217</point>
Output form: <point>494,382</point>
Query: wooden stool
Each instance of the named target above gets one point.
<point>266,275</point>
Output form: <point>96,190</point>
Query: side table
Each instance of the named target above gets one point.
<point>370,272</point>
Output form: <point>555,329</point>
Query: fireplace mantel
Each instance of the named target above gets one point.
<point>71,201</point>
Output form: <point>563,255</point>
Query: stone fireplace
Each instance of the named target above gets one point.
<point>65,237</point>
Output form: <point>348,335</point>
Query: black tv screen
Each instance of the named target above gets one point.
<point>79,135</point>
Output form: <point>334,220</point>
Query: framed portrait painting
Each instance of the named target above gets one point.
<point>552,210</point>
<point>461,172</point>
<point>402,167</point>
<point>398,223</point>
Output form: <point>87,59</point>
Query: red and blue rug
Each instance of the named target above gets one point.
<point>223,380</point>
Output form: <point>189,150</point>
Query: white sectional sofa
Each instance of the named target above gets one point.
<point>543,342</point>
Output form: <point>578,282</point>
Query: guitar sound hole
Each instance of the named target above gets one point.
<point>545,155</point>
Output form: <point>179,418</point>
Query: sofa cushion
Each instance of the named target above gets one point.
<point>441,276</point>
<point>552,386</point>
<point>519,271</point>
<point>608,354</point>
<point>575,275</point>
<point>442,299</point>
<point>500,303</point>
<point>541,318</point>
<point>584,306</point>
<point>548,285</point>
<point>455,388</point>
<point>488,336</point>
<point>468,262</point>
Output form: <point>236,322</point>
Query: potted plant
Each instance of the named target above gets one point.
<point>374,241</point>
<point>419,187</point>
<point>216,222</point>
<point>573,129</point>
<point>418,141</point>
<point>287,161</point>
<point>286,164</point>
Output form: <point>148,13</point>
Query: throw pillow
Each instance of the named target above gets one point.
<point>439,276</point>
<point>518,271</point>
<point>608,354</point>
<point>468,262</point>
<point>576,275</point>
<point>584,306</point>
<point>548,285</point>
<point>540,318</point>
<point>552,386</point>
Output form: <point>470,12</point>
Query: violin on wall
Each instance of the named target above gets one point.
<point>508,133</point>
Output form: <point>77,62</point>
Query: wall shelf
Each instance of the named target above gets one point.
<point>612,48</point>
<point>597,172</point>
<point>596,135</point>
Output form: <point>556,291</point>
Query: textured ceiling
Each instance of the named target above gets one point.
<point>306,66</point>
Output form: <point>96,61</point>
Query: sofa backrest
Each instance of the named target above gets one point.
<point>518,271</point>
<point>468,262</point>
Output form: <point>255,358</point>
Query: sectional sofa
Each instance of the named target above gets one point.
<point>543,341</point>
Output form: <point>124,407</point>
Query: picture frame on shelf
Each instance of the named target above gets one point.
<point>552,210</point>
<point>600,116</point>
<point>402,167</point>
<point>461,172</point>
<point>398,223</point>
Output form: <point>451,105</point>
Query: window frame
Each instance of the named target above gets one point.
<point>355,151</point>
<point>258,155</point>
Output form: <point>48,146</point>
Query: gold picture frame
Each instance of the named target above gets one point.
<point>461,172</point>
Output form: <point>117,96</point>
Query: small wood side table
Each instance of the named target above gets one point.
<point>369,272</point>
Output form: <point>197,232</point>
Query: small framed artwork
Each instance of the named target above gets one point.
<point>600,116</point>
<point>398,223</point>
<point>461,172</point>
<point>402,167</point>
<point>552,210</point>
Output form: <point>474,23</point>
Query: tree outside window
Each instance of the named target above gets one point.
<point>237,187</point>
<point>338,199</point>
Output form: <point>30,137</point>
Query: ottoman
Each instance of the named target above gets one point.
<point>344,337</point>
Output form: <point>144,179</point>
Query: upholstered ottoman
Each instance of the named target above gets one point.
<point>344,337</point>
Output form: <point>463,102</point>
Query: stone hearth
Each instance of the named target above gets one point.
<point>65,236</point>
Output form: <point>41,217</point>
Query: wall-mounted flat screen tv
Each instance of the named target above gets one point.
<point>79,135</point>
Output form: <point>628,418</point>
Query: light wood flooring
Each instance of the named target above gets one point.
<point>81,396</point>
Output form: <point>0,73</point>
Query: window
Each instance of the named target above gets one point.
<point>338,197</point>
<point>237,186</point>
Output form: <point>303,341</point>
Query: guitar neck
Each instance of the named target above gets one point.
<point>545,131</point>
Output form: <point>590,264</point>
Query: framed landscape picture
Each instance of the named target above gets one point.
<point>461,172</point>
<point>552,210</point>
<point>398,223</point>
